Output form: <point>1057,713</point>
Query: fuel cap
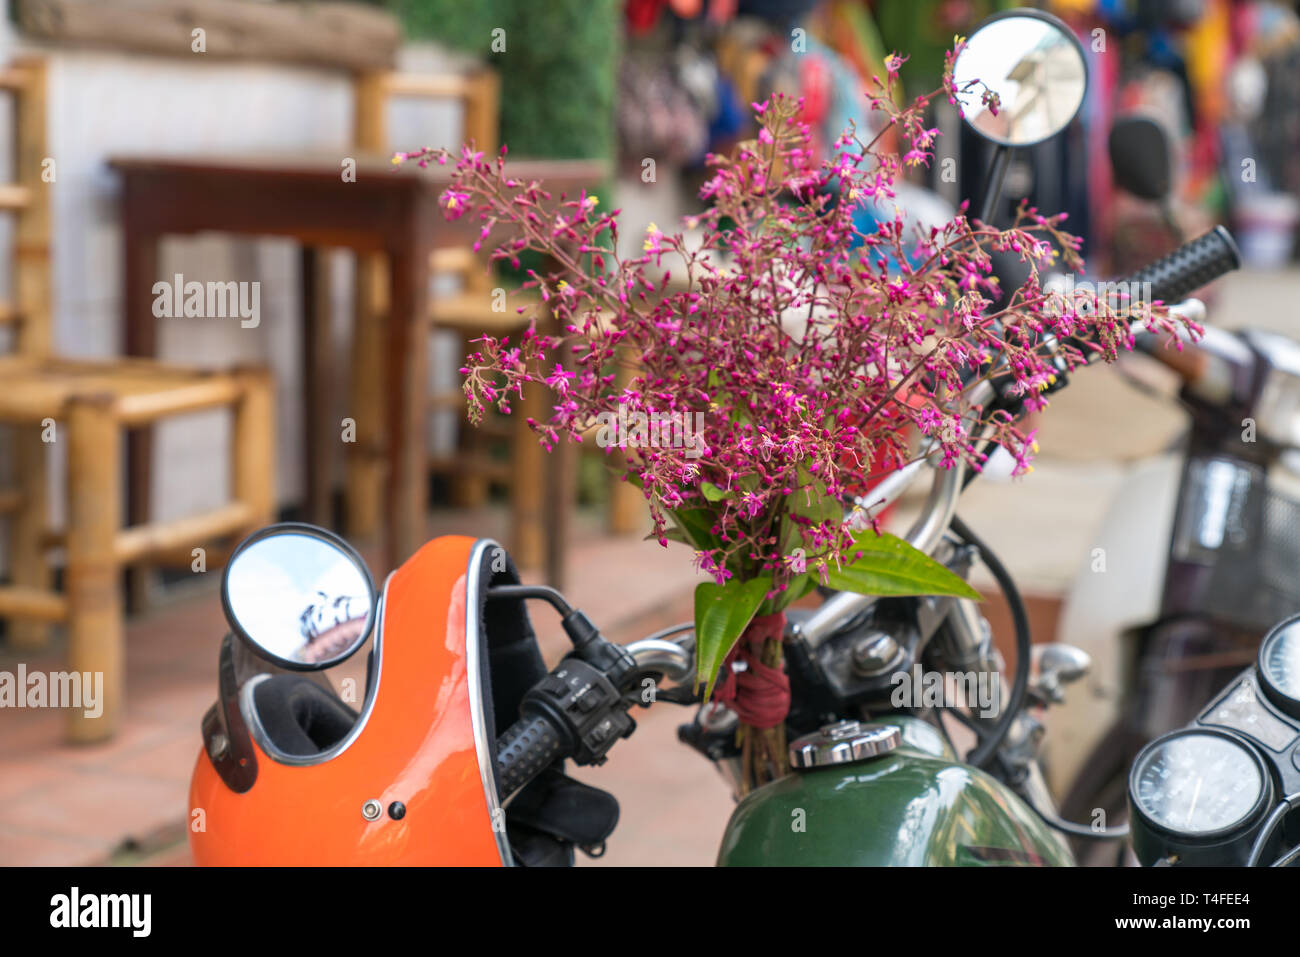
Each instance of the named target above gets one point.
<point>843,743</point>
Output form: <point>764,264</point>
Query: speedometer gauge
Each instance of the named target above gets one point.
<point>1197,793</point>
<point>1279,666</point>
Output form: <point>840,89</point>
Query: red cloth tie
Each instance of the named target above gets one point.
<point>760,695</point>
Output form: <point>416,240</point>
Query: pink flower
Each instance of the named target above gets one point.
<point>454,203</point>
<point>791,355</point>
<point>559,379</point>
<point>653,237</point>
<point>915,157</point>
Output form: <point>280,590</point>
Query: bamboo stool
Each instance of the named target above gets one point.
<point>88,405</point>
<point>475,310</point>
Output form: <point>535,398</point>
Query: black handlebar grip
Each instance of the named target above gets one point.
<point>526,749</point>
<point>1188,268</point>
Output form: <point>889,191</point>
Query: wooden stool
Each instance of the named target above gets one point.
<point>475,310</point>
<point>88,406</point>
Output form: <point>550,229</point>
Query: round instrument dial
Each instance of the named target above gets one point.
<point>1198,783</point>
<point>1279,666</point>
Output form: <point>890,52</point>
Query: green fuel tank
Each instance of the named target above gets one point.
<point>895,796</point>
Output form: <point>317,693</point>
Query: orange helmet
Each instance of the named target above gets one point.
<point>292,774</point>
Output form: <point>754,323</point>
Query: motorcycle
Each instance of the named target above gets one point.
<point>456,753</point>
<point>1220,791</point>
<point>1203,581</point>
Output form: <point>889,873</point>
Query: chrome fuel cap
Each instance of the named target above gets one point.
<point>843,743</point>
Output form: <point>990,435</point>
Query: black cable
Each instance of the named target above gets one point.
<point>968,723</point>
<point>1291,857</point>
<point>545,593</point>
<point>1078,830</point>
<point>943,730</point>
<point>982,752</point>
<point>1266,832</point>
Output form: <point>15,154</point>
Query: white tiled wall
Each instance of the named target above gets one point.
<point>104,104</point>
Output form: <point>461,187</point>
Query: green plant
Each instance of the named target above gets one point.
<point>557,69</point>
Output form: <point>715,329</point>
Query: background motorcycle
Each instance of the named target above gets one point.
<point>1201,578</point>
<point>1221,790</point>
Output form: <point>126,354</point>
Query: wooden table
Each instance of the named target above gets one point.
<point>387,211</point>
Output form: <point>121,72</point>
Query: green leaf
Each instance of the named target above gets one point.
<point>722,613</point>
<point>799,586</point>
<point>712,492</point>
<point>697,525</point>
<point>811,503</point>
<point>739,414</point>
<point>890,566</point>
<point>672,535</point>
<point>822,507</point>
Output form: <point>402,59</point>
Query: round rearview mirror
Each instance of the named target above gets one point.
<point>1035,66</point>
<point>299,596</point>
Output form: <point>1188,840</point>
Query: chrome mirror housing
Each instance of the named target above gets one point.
<point>1035,66</point>
<point>299,596</point>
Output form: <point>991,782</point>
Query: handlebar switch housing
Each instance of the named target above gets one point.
<point>584,705</point>
<point>613,661</point>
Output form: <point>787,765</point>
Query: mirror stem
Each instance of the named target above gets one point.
<point>542,592</point>
<point>993,184</point>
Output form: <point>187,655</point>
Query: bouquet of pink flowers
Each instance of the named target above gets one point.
<point>806,358</point>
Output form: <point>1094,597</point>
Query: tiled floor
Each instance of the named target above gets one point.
<point>78,805</point>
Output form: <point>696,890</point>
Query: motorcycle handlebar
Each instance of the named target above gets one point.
<point>1171,278</point>
<point>1189,267</point>
<point>526,749</point>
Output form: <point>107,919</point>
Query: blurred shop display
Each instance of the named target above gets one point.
<point>1221,77</point>
<point>556,61</point>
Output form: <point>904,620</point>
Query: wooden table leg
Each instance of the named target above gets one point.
<point>407,386</point>
<point>139,338</point>
<point>626,513</point>
<point>469,486</point>
<point>318,409</point>
<point>527,481</point>
<point>365,454</point>
<point>561,490</point>
<point>252,446</point>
